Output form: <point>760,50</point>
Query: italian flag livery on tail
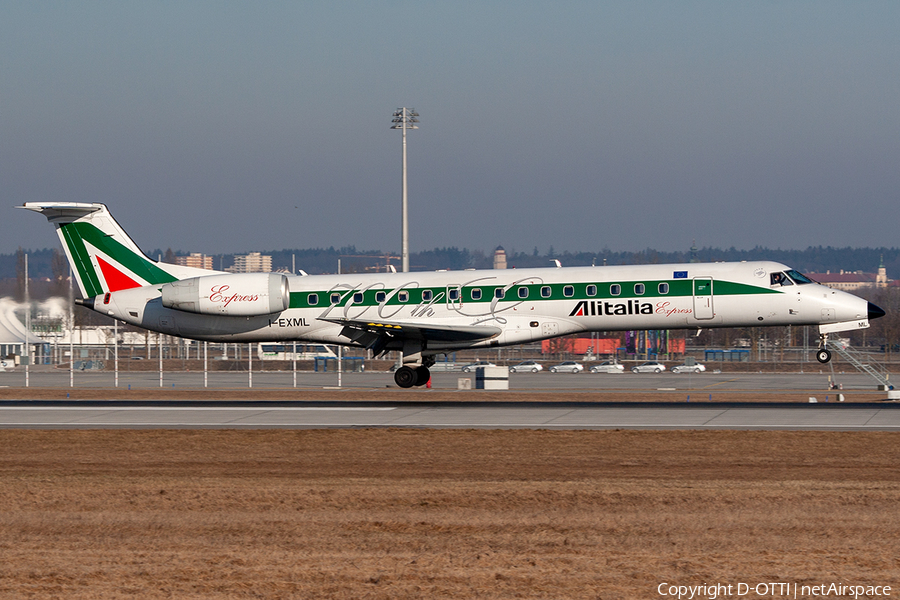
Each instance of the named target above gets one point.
<point>103,257</point>
<point>424,314</point>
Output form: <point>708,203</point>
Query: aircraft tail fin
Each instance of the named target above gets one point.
<point>103,257</point>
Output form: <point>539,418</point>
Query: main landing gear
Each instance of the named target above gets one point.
<point>409,376</point>
<point>823,354</point>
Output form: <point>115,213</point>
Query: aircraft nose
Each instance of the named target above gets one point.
<point>875,312</point>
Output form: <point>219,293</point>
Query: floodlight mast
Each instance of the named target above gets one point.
<point>405,118</point>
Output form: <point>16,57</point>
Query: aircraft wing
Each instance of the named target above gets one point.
<point>420,331</point>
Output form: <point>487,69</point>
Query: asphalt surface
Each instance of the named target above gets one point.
<point>506,415</point>
<point>726,402</point>
<point>815,378</point>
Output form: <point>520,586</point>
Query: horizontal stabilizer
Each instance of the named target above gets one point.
<point>66,211</point>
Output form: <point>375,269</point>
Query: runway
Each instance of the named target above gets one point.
<point>442,415</point>
<point>710,382</point>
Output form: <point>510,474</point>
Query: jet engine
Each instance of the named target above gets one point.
<point>238,295</point>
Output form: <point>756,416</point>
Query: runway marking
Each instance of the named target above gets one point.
<point>712,385</point>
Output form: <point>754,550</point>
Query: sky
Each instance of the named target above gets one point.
<point>224,127</point>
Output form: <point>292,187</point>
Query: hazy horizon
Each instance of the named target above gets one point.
<point>220,127</point>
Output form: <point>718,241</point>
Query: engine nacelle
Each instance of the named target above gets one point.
<point>238,295</point>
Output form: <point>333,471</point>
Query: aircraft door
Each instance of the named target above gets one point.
<point>703,298</point>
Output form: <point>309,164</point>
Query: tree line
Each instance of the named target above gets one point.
<point>814,259</point>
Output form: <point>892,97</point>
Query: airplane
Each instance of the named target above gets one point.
<point>424,314</point>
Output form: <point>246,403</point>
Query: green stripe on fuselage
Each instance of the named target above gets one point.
<point>558,291</point>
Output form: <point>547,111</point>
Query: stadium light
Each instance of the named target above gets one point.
<point>405,118</point>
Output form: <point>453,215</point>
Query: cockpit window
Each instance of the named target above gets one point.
<point>780,279</point>
<point>798,277</point>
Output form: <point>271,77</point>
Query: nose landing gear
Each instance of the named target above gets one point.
<point>823,354</point>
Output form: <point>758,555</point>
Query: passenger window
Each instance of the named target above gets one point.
<point>358,298</point>
<point>379,297</point>
<point>403,296</point>
<point>569,291</point>
<point>545,291</point>
<point>335,298</point>
<point>591,290</point>
<point>499,293</point>
<point>664,288</point>
<point>615,289</point>
<point>312,299</point>
<point>453,294</point>
<point>476,294</point>
<point>523,292</point>
<point>639,289</point>
<point>427,295</point>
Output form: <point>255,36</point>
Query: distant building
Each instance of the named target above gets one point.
<point>195,260</point>
<point>14,341</point>
<point>251,263</point>
<point>499,258</point>
<point>849,281</point>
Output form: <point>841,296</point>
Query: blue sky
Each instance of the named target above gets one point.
<point>227,127</point>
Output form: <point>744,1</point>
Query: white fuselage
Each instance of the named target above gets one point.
<point>535,304</point>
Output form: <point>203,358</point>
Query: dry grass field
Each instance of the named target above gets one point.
<point>440,514</point>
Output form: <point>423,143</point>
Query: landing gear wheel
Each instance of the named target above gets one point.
<point>405,377</point>
<point>422,375</point>
<point>823,355</point>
